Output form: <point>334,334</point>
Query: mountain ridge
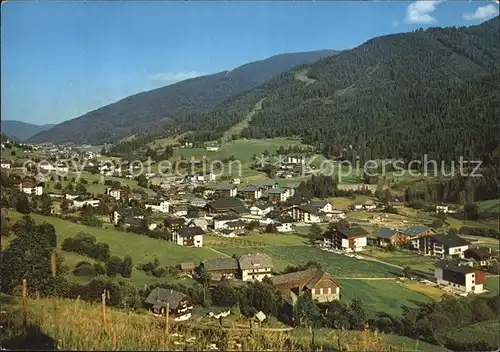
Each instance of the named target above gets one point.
<point>22,130</point>
<point>148,110</point>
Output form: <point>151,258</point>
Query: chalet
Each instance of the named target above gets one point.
<point>226,205</point>
<point>179,304</point>
<point>444,246</point>
<point>179,210</point>
<point>255,267</point>
<point>212,147</point>
<point>318,283</point>
<point>187,268</point>
<point>31,186</point>
<point>459,277</point>
<point>188,236</point>
<point>321,205</point>
<point>82,201</point>
<point>268,184</point>
<point>200,222</point>
<point>221,268</point>
<point>117,193</point>
<point>417,232</point>
<point>353,239</point>
<point>261,209</point>
<point>227,190</point>
<point>385,236</point>
<point>220,221</point>
<point>237,227</point>
<point>252,193</point>
<point>305,214</point>
<point>158,205</point>
<point>277,195</point>
<point>284,223</point>
<point>481,255</point>
<point>172,224</point>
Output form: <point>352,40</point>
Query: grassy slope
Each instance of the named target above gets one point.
<point>141,248</point>
<point>485,331</point>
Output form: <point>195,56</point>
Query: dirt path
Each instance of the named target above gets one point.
<point>216,251</point>
<point>302,77</point>
<point>373,259</point>
<point>367,278</point>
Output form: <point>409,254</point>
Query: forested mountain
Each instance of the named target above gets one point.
<point>431,91</point>
<point>21,130</point>
<point>150,110</point>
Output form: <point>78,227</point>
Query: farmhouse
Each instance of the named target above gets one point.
<point>305,214</point>
<point>158,205</point>
<point>352,239</point>
<point>255,267</point>
<point>460,277</point>
<point>172,224</point>
<point>321,205</point>
<point>319,284</point>
<point>226,205</point>
<point>385,236</point>
<point>188,236</point>
<point>481,255</point>
<point>227,190</point>
<point>221,268</point>
<point>179,305</point>
<point>220,221</point>
<point>444,246</point>
<point>252,193</point>
<point>29,185</point>
<point>277,195</point>
<point>284,223</point>
<point>237,227</point>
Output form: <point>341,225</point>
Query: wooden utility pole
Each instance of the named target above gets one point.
<point>25,303</point>
<point>166,338</point>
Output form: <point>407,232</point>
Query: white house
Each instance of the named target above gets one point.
<point>212,147</point>
<point>284,223</point>
<point>322,205</point>
<point>221,220</point>
<point>30,186</point>
<point>305,214</point>
<point>188,236</point>
<point>235,181</point>
<point>442,209</point>
<point>354,239</point>
<point>117,193</point>
<point>255,267</point>
<point>5,165</point>
<point>158,205</point>
<point>261,209</point>
<point>459,277</point>
<point>80,202</point>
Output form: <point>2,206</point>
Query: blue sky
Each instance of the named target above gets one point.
<point>62,59</point>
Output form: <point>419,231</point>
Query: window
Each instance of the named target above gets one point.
<point>321,291</point>
<point>313,291</point>
<point>329,290</point>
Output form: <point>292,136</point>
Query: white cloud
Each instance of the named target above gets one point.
<point>420,12</point>
<point>482,12</point>
<point>175,76</point>
<point>395,23</point>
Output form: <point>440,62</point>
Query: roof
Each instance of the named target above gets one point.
<point>307,208</point>
<point>451,240</point>
<point>130,220</point>
<point>226,217</point>
<point>161,296</point>
<point>129,211</point>
<point>29,182</point>
<point>309,276</point>
<point>220,264</point>
<point>276,191</point>
<point>480,252</point>
<point>353,231</point>
<point>264,206</point>
<point>284,219</point>
<point>250,189</point>
<point>319,203</point>
<point>190,231</point>
<point>155,201</point>
<point>385,232</point>
<point>241,210</point>
<point>250,261</point>
<point>225,203</point>
<point>225,187</point>
<point>415,230</point>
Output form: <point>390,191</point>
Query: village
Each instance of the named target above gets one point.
<point>196,209</point>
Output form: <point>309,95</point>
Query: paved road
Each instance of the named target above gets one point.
<point>373,259</point>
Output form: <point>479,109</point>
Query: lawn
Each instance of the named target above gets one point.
<point>402,258</point>
<point>381,295</point>
<point>485,331</point>
<point>492,284</point>
<point>489,206</point>
<point>142,249</point>
<point>355,339</point>
<point>337,265</point>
